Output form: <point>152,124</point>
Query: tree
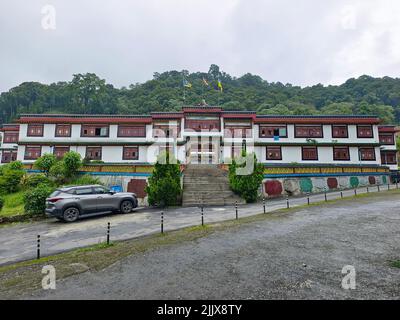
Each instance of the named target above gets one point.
<point>45,162</point>
<point>72,162</point>
<point>243,181</point>
<point>164,185</point>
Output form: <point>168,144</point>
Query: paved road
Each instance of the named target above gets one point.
<point>293,256</point>
<point>19,242</point>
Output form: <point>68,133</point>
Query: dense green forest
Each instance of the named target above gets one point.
<point>88,94</point>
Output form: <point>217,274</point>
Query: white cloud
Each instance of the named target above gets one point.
<point>303,42</point>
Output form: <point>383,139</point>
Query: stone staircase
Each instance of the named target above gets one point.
<point>208,184</point>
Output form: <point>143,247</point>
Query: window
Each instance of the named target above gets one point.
<point>388,157</point>
<point>35,130</point>
<point>130,153</point>
<point>340,131</point>
<point>274,153</point>
<point>100,190</point>
<point>366,154</point>
<point>308,131</point>
<point>365,131</point>
<point>165,130</point>
<point>8,156</point>
<point>83,191</point>
<point>94,131</point>
<point>10,137</point>
<point>271,131</point>
<point>341,153</point>
<point>309,153</point>
<point>60,151</point>
<point>386,138</point>
<point>63,130</point>
<point>32,153</point>
<point>202,125</point>
<point>93,153</point>
<point>132,131</point>
<point>238,129</point>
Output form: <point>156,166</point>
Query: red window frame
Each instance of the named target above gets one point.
<point>130,153</point>
<point>59,152</point>
<point>341,154</point>
<point>129,131</point>
<point>8,156</point>
<point>35,152</point>
<point>160,131</point>
<point>94,130</point>
<point>273,153</point>
<point>386,138</point>
<point>309,153</point>
<point>340,131</point>
<point>35,130</point>
<point>203,125</point>
<point>389,157</point>
<point>308,131</point>
<point>267,131</point>
<point>91,153</point>
<point>366,154</point>
<point>62,130</point>
<point>365,131</point>
<point>10,137</point>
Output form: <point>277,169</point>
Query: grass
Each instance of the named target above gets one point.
<point>395,264</point>
<point>13,204</point>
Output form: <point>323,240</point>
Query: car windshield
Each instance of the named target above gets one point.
<point>55,194</point>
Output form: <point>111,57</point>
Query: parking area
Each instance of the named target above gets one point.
<point>19,241</point>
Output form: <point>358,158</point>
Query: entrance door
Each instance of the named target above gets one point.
<point>204,150</point>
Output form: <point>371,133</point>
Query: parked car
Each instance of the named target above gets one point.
<point>71,203</point>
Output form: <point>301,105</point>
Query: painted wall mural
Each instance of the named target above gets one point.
<point>354,182</point>
<point>332,183</point>
<point>297,186</point>
<point>273,188</point>
<point>306,185</point>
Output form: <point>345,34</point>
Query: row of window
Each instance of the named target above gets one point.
<point>266,131</point>
<point>311,153</point>
<point>92,153</point>
<point>314,131</point>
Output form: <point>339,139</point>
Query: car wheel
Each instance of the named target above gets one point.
<point>126,206</point>
<point>71,214</point>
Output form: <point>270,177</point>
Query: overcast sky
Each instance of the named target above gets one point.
<point>303,42</point>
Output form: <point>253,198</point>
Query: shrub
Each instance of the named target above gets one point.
<point>72,162</point>
<point>246,185</point>
<point>57,172</point>
<point>35,199</point>
<point>164,185</point>
<point>10,180</point>
<point>85,179</point>
<point>33,180</point>
<point>15,165</point>
<point>45,162</point>
<point>1,203</point>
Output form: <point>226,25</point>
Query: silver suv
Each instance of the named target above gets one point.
<point>70,203</point>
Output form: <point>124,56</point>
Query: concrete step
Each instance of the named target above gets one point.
<point>207,184</point>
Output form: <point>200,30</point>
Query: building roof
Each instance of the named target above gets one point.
<point>84,118</point>
<point>10,127</point>
<point>318,119</point>
<point>202,109</point>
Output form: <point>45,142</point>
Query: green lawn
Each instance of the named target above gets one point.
<point>13,204</point>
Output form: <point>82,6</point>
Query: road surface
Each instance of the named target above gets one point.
<point>19,242</point>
